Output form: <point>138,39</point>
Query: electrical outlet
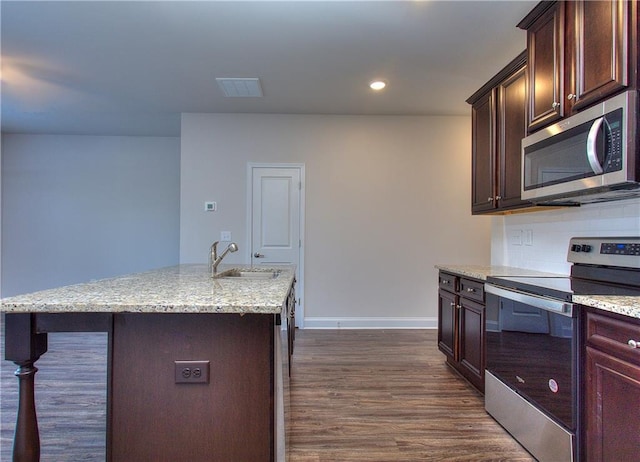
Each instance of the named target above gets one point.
<point>210,206</point>
<point>225,236</point>
<point>515,237</point>
<point>191,371</point>
<point>528,237</point>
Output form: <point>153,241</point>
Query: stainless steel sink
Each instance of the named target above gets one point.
<point>248,274</point>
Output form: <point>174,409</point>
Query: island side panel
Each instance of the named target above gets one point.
<point>230,418</point>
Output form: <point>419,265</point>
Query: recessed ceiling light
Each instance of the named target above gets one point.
<point>378,85</point>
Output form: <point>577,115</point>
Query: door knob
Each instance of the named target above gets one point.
<point>258,255</point>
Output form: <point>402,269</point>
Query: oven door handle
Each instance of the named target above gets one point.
<point>543,303</point>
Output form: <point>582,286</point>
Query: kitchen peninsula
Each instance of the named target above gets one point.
<point>195,364</point>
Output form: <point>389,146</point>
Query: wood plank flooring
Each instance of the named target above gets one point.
<point>369,395</point>
<point>387,395</point>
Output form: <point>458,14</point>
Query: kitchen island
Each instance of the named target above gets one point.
<point>194,363</point>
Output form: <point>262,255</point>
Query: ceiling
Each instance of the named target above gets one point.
<point>131,68</point>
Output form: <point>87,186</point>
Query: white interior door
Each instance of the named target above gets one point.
<point>276,194</point>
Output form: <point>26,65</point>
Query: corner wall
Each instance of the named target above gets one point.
<point>76,208</point>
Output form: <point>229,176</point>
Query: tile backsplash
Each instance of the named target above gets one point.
<point>539,240</point>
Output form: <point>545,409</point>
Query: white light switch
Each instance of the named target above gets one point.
<point>210,206</point>
<point>225,236</point>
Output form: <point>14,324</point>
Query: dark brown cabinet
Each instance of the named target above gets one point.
<point>545,47</point>
<point>461,325</point>
<point>579,52</point>
<point>612,387</point>
<point>498,118</point>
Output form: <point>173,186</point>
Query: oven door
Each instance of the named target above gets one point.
<point>531,346</point>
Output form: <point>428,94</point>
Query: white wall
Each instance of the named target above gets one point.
<point>552,230</point>
<point>75,208</point>
<point>386,199</point>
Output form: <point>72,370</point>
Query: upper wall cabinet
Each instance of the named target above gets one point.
<point>498,121</point>
<point>579,52</point>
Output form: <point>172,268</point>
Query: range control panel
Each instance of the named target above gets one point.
<point>605,251</point>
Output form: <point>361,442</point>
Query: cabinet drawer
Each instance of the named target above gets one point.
<point>614,336</point>
<point>448,281</point>
<point>473,290</point>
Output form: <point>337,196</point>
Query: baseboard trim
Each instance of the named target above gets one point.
<point>370,323</point>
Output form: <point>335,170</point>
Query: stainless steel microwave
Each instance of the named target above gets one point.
<point>588,157</point>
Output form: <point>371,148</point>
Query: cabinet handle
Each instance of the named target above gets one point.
<point>633,344</point>
<point>570,96</point>
<point>470,289</point>
<point>555,105</point>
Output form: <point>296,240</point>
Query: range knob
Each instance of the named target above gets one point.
<point>586,248</point>
<point>576,248</point>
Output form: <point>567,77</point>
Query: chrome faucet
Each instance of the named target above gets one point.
<point>214,259</point>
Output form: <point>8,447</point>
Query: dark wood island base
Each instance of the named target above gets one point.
<point>149,415</point>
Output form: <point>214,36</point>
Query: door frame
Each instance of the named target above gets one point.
<point>299,321</point>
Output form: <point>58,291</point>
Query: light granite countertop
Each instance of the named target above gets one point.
<point>628,306</point>
<point>185,288</point>
<point>482,272</point>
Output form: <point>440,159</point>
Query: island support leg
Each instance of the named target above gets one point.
<point>26,443</point>
<point>24,346</point>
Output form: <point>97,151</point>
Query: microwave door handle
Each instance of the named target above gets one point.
<point>592,150</point>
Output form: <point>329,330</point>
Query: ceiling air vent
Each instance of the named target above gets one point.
<point>240,88</point>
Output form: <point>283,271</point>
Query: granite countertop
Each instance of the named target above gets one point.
<point>185,288</point>
<point>482,272</point>
<point>628,306</point>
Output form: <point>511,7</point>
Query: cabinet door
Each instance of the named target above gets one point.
<point>447,320</point>
<point>612,408</point>
<point>512,127</point>
<point>600,50</point>
<point>471,353</point>
<point>545,45</point>
<point>483,155</point>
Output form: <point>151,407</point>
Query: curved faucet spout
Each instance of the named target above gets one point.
<point>214,259</point>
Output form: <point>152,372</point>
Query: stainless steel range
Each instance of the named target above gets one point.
<point>532,335</point>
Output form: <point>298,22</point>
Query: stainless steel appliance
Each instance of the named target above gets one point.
<point>588,157</point>
<point>532,335</point>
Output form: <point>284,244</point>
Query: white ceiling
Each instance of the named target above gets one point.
<point>131,68</point>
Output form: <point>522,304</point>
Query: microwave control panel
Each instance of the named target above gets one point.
<point>613,160</point>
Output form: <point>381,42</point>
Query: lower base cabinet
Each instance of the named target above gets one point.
<point>612,388</point>
<point>461,326</point>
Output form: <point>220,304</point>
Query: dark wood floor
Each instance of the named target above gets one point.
<point>368,395</point>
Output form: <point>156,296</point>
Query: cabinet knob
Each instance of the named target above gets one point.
<point>258,255</point>
<point>498,198</point>
<point>452,304</point>
<point>470,289</point>
<point>633,344</point>
<point>555,105</point>
<point>445,281</point>
<point>489,199</point>
<point>458,306</point>
<point>570,96</point>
